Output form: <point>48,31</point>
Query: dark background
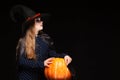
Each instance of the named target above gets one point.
<point>82,29</point>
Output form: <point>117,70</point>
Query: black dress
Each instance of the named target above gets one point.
<point>34,70</point>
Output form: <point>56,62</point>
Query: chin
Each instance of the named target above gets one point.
<point>41,29</point>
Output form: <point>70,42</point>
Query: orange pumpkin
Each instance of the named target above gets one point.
<point>58,70</point>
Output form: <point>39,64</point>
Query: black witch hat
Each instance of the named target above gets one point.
<point>21,14</point>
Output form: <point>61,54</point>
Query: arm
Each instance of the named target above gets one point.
<point>66,57</point>
<point>27,63</point>
<point>52,53</point>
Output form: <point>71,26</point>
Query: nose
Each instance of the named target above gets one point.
<point>41,22</point>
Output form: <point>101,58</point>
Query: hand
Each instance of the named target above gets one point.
<point>67,59</point>
<point>48,61</point>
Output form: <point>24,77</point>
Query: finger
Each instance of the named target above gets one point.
<point>47,66</point>
<point>66,61</point>
<point>49,62</point>
<point>50,59</point>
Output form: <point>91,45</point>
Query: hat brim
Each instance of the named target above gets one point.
<point>44,16</point>
<point>33,17</point>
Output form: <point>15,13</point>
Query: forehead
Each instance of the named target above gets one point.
<point>38,18</point>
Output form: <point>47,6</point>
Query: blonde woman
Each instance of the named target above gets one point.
<point>34,50</point>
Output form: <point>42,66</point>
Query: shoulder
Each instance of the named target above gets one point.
<point>21,42</point>
<point>46,38</point>
<point>45,35</point>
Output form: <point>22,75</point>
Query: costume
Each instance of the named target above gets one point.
<point>29,69</point>
<point>34,70</point>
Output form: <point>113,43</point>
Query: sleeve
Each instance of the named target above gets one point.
<point>53,53</point>
<point>28,63</point>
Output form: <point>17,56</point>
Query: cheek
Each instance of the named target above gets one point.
<point>40,27</point>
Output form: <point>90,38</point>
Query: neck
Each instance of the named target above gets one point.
<point>36,33</point>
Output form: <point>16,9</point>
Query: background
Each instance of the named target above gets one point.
<point>82,29</point>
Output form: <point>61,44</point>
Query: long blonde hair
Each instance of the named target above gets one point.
<point>29,43</point>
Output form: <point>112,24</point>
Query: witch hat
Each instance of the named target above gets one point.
<point>22,14</point>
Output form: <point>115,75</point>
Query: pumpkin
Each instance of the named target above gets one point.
<point>57,70</point>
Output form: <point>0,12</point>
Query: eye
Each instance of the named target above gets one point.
<point>38,20</point>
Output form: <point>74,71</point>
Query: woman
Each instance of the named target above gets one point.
<point>34,51</point>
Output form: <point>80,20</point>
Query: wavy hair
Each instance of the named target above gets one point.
<point>29,41</point>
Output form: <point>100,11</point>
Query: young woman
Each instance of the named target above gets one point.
<point>34,51</point>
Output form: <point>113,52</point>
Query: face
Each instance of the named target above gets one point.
<point>38,24</point>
